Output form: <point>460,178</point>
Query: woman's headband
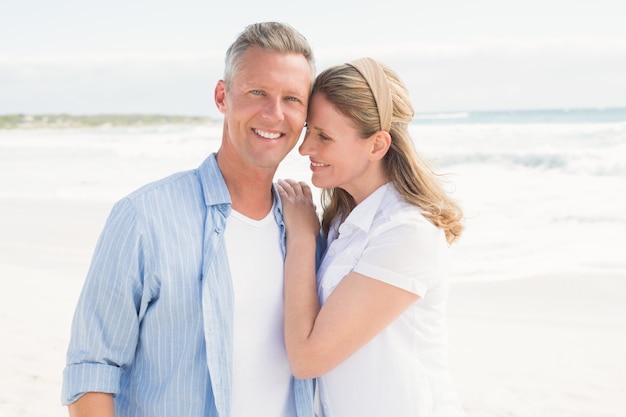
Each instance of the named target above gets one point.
<point>373,73</point>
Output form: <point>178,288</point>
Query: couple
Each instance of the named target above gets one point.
<point>202,295</point>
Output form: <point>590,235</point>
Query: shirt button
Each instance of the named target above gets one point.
<point>331,252</point>
<point>218,230</point>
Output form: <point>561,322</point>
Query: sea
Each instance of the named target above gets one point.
<point>543,191</point>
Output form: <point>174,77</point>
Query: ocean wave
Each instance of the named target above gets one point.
<point>440,116</point>
<point>526,117</point>
<point>588,164</point>
<point>525,160</point>
<point>590,219</point>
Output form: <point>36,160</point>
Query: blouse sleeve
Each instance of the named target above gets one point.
<point>407,253</point>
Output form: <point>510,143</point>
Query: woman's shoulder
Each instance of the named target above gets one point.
<point>395,210</point>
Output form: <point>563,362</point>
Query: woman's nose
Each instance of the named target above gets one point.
<point>304,147</point>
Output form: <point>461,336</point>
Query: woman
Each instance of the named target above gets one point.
<point>377,342</point>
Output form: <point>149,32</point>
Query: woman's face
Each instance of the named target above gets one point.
<point>340,157</point>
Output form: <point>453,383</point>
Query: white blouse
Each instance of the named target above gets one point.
<point>402,371</point>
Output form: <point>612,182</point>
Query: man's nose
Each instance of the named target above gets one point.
<point>273,110</point>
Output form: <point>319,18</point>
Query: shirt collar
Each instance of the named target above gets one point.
<point>363,214</point>
<point>215,190</point>
<point>278,206</point>
<point>212,182</point>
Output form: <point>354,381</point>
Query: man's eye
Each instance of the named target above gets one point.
<point>256,92</point>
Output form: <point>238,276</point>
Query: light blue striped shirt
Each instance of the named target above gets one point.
<point>154,321</point>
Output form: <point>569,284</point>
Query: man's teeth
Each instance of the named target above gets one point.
<point>267,135</point>
<point>318,164</point>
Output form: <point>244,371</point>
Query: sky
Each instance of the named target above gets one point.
<point>156,56</point>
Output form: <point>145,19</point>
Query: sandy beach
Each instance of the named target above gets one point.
<point>547,345</point>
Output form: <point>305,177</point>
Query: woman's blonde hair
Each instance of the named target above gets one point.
<point>350,93</point>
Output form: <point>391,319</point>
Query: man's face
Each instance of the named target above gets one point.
<point>265,108</point>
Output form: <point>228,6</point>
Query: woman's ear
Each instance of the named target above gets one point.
<point>220,96</point>
<point>380,145</point>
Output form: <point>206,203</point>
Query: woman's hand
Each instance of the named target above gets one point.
<point>299,212</point>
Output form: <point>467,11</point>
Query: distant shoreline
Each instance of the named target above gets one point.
<point>543,116</point>
<point>26,121</point>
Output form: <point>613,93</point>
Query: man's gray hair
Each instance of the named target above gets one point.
<point>270,36</point>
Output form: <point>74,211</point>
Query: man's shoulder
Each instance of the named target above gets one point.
<point>173,185</point>
<point>167,201</point>
<point>177,184</point>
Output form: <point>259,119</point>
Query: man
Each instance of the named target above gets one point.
<point>181,311</point>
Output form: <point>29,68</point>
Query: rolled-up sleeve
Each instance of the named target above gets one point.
<point>105,327</point>
<point>406,253</point>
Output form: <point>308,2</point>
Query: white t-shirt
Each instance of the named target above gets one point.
<point>262,379</point>
<point>403,370</point>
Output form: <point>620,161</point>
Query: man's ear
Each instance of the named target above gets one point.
<point>220,96</point>
<point>380,145</point>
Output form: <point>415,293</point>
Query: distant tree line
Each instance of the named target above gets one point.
<point>24,121</point>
